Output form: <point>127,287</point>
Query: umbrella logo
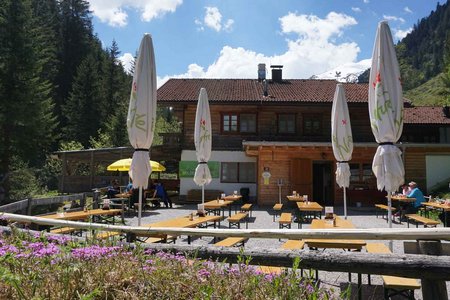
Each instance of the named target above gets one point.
<point>204,136</point>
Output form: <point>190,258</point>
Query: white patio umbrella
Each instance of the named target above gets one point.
<point>342,140</point>
<point>142,115</point>
<point>386,113</point>
<point>202,140</point>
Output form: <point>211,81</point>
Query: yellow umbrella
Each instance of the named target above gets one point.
<point>124,165</point>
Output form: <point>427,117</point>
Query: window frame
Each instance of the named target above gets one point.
<point>312,118</point>
<point>238,124</point>
<point>238,171</point>
<point>295,123</point>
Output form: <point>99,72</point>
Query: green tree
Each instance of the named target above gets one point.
<point>76,37</point>
<point>26,108</point>
<point>82,110</point>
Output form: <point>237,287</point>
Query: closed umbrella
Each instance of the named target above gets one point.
<point>386,113</point>
<point>202,140</point>
<point>342,140</point>
<point>142,115</point>
<point>125,164</point>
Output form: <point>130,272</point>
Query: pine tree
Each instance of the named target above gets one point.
<point>26,119</point>
<point>76,37</point>
<point>82,110</point>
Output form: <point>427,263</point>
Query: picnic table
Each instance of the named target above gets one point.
<point>334,243</point>
<point>308,209</point>
<point>185,222</point>
<point>438,206</point>
<point>218,206</point>
<point>402,201</point>
<point>295,198</point>
<point>84,215</point>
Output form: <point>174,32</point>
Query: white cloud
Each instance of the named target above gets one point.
<point>356,9</point>
<point>127,61</point>
<point>366,1</point>
<point>312,50</point>
<point>400,34</point>
<point>408,10</point>
<point>213,20</point>
<point>312,27</point>
<point>394,18</point>
<point>113,11</point>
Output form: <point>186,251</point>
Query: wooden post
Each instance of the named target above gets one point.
<point>29,205</point>
<point>432,288</point>
<point>83,200</point>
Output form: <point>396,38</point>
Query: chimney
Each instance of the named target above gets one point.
<point>261,72</point>
<point>446,110</point>
<point>265,89</point>
<point>277,73</point>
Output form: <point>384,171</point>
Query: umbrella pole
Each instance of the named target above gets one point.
<point>345,203</point>
<point>203,194</point>
<point>140,206</point>
<point>390,215</point>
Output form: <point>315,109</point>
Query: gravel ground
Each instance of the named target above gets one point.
<point>262,218</point>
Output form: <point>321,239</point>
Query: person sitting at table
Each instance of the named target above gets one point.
<point>418,195</point>
<point>405,189</point>
<point>113,189</point>
<point>161,193</point>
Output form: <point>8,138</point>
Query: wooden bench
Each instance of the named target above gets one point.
<point>293,245</point>
<point>421,220</point>
<point>285,220</point>
<point>393,285</point>
<point>232,242</point>
<point>66,230</point>
<point>384,209</point>
<point>161,239</point>
<point>276,210</point>
<point>247,208</point>
<point>107,234</point>
<point>235,220</point>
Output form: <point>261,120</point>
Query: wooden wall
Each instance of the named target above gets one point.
<point>267,123</point>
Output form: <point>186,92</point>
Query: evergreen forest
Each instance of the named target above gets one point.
<point>60,89</point>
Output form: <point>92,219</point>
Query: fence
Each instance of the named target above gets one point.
<point>432,269</point>
<point>26,205</point>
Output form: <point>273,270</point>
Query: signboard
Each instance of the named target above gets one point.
<point>187,168</point>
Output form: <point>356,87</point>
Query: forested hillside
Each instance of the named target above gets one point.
<point>424,59</point>
<point>421,53</point>
<point>59,89</point>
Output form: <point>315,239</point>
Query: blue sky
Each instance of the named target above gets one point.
<point>228,38</point>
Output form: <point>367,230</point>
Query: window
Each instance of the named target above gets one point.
<point>230,123</point>
<point>362,176</point>
<point>312,125</point>
<point>234,123</point>
<point>286,123</point>
<point>247,123</point>
<point>233,172</point>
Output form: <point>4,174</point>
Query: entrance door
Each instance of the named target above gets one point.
<point>323,183</point>
<point>301,176</point>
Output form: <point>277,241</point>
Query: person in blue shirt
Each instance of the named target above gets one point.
<point>161,193</point>
<point>417,194</point>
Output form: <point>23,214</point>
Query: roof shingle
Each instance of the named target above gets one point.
<point>291,90</point>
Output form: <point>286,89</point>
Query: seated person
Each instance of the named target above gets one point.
<point>150,194</point>
<point>113,189</point>
<point>160,192</point>
<point>405,189</point>
<point>418,195</point>
<point>129,188</point>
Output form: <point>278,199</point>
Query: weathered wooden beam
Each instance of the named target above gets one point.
<point>412,266</point>
<point>440,233</point>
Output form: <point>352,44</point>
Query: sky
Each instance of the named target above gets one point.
<point>229,38</point>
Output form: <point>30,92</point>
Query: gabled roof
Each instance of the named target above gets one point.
<point>250,90</point>
<point>290,91</point>
<point>425,115</point>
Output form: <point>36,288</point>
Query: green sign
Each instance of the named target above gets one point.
<point>187,168</point>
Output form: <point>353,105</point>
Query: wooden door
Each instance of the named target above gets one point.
<point>301,176</point>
